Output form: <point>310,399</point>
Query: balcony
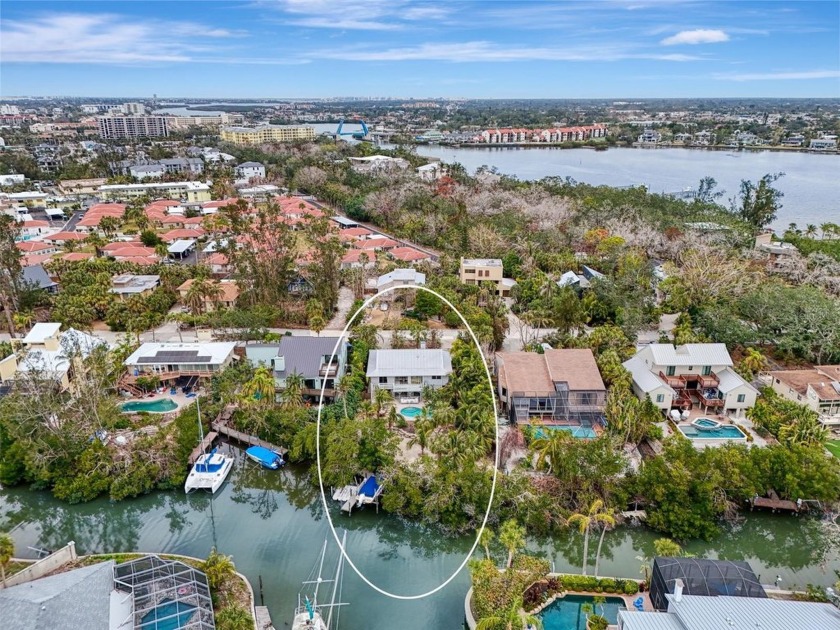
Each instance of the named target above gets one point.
<point>678,381</point>
<point>328,370</point>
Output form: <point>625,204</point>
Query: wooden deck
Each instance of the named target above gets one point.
<point>250,440</point>
<point>201,448</point>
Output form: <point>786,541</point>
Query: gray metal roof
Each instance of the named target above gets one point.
<point>37,275</point>
<point>401,275</point>
<point>249,165</point>
<point>730,380</point>
<point>410,362</point>
<point>644,379</point>
<point>697,612</point>
<point>73,600</point>
<point>695,354</point>
<point>302,355</point>
<point>635,620</point>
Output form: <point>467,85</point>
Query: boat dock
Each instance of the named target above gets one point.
<point>263,618</point>
<point>365,493</point>
<point>220,426</point>
<point>773,503</point>
<point>206,443</point>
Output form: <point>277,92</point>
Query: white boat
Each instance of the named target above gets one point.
<point>310,614</point>
<point>209,472</point>
<point>210,469</point>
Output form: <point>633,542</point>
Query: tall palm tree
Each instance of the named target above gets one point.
<point>292,396</point>
<point>342,388</point>
<point>810,230</point>
<point>487,536</point>
<point>804,428</point>
<point>23,319</point>
<point>381,398</point>
<point>513,618</point>
<point>607,522</point>
<point>753,361</point>
<point>512,536</point>
<point>594,516</point>
<point>7,550</point>
<point>423,428</point>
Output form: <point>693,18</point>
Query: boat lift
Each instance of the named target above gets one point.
<point>355,496</point>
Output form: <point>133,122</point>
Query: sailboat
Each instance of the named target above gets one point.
<point>310,614</point>
<point>210,469</point>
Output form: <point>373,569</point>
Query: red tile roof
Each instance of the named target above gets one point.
<point>376,243</point>
<point>34,259</point>
<point>132,251</point>
<point>33,246</point>
<point>76,256</point>
<point>66,236</point>
<point>408,254</point>
<point>174,235</point>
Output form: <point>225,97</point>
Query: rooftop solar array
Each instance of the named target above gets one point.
<point>176,356</point>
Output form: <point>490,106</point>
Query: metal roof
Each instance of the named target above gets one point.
<point>644,379</point>
<point>412,362</point>
<point>635,620</point>
<point>41,332</point>
<point>212,353</point>
<point>302,355</point>
<point>73,600</point>
<point>401,275</point>
<point>482,262</point>
<point>181,245</point>
<point>690,354</point>
<point>730,380</point>
<point>746,613</point>
<point>37,275</point>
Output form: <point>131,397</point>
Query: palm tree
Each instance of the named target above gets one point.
<point>487,536</point>
<point>23,319</point>
<point>512,536</point>
<point>342,388</point>
<point>7,550</point>
<point>177,319</point>
<point>292,396</point>
<point>551,448</point>
<point>804,428</point>
<point>259,390</point>
<point>607,522</point>
<point>513,618</point>
<point>753,361</point>
<point>381,397</point>
<point>810,230</point>
<point>595,515</point>
<point>423,428</point>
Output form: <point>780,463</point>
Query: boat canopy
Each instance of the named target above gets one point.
<point>369,487</point>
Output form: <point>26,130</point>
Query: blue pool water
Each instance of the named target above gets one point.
<point>161,405</point>
<point>725,432</point>
<point>168,615</point>
<point>411,412</point>
<point>705,422</point>
<point>566,614</point>
<point>581,433</point>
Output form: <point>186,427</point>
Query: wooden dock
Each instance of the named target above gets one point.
<point>263,618</point>
<point>201,448</point>
<point>244,438</point>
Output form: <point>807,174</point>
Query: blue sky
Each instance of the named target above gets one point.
<point>407,48</point>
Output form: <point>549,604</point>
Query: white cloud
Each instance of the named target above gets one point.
<point>104,39</point>
<point>781,76</point>
<point>362,15</point>
<point>484,51</point>
<point>697,36</point>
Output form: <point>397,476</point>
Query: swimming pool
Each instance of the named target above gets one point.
<point>580,433</point>
<point>161,405</point>
<point>565,613</point>
<point>167,615</point>
<point>724,432</point>
<point>411,412</point>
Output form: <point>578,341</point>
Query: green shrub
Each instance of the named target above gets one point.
<point>631,587</point>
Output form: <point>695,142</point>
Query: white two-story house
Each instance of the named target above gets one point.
<point>694,375</point>
<point>406,372</point>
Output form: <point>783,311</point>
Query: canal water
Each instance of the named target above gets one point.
<point>273,525</point>
<point>810,185</point>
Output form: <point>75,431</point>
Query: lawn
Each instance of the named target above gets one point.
<point>834,447</point>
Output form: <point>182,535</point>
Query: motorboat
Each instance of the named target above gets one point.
<point>310,613</point>
<point>265,457</point>
<point>209,472</point>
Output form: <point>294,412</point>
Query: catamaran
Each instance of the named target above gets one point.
<point>210,469</point>
<point>310,614</point>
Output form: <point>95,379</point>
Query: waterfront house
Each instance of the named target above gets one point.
<point>818,388</point>
<point>825,143</point>
<point>126,285</point>
<point>559,387</point>
<point>694,374</point>
<point>308,357</point>
<point>696,612</point>
<point>406,372</point>
<point>478,270</point>
<point>49,355</point>
<point>171,361</point>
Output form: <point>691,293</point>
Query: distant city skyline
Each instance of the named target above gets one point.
<point>405,48</point>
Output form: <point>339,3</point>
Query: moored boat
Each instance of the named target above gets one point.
<point>209,472</point>
<point>310,614</point>
<point>265,457</point>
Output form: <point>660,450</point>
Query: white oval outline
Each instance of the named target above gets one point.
<point>495,463</point>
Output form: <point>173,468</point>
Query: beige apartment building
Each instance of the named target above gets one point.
<point>192,192</point>
<point>478,270</point>
<point>267,133</point>
<point>818,388</point>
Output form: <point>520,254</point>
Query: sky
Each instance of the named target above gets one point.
<point>421,49</point>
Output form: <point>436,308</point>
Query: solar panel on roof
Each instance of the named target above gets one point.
<point>176,356</point>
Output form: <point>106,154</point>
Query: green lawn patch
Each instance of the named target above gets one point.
<point>834,447</point>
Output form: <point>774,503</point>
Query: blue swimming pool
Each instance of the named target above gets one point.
<point>411,412</point>
<point>167,615</point>
<point>566,614</point>
<point>162,405</point>
<point>725,432</point>
<point>580,433</point>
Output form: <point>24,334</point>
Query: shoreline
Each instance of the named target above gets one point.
<point>599,147</point>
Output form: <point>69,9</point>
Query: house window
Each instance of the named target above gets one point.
<point>415,380</point>
<point>707,370</point>
<point>436,378</point>
<point>670,370</point>
<point>690,367</point>
<point>504,391</point>
<point>469,270</point>
<point>660,398</point>
<point>401,380</point>
<point>742,397</point>
<point>383,380</point>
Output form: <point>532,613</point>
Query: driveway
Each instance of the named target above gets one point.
<point>345,302</point>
